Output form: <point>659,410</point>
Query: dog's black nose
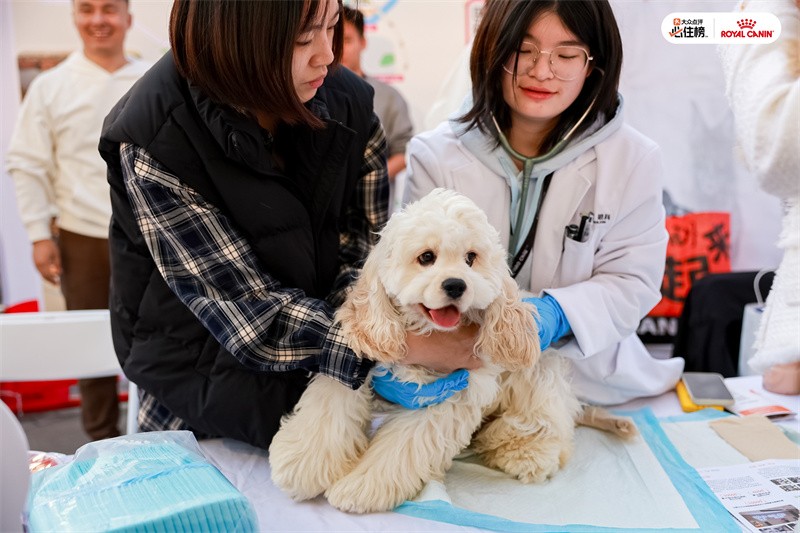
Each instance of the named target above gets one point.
<point>454,287</point>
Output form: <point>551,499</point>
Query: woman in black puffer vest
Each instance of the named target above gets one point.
<point>248,183</point>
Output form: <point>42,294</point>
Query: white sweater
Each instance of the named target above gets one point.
<point>53,157</point>
<point>763,85</point>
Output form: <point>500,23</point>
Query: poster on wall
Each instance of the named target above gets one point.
<point>387,57</point>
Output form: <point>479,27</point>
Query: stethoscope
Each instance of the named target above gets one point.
<point>527,171</point>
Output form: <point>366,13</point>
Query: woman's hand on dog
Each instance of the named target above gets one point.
<point>444,352</point>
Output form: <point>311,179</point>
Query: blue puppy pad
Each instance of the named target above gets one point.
<point>149,482</point>
<point>597,476</point>
<point>696,416</point>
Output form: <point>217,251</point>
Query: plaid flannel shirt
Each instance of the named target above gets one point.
<point>214,271</point>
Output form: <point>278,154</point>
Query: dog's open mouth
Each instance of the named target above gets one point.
<point>446,317</point>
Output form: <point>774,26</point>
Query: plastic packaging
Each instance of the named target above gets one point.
<point>40,460</point>
<point>154,482</point>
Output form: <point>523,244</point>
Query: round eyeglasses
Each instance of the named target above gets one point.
<point>566,62</point>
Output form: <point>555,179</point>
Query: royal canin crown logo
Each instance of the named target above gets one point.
<point>746,30</point>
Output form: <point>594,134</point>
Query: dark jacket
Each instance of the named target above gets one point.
<point>226,157</point>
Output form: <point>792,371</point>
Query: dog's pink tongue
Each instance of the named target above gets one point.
<point>446,317</point>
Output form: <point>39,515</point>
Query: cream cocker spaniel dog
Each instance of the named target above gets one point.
<point>438,264</point>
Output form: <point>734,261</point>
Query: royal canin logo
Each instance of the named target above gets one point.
<point>746,29</point>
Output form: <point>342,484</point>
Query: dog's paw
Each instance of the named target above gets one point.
<point>295,473</point>
<point>599,418</point>
<point>529,460</point>
<point>527,467</point>
<point>532,455</point>
<point>625,427</point>
<point>357,493</point>
<point>533,470</point>
<point>304,471</point>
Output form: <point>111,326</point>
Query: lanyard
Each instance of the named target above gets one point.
<point>523,253</point>
<point>527,172</point>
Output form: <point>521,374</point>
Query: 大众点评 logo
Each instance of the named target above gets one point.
<point>687,29</point>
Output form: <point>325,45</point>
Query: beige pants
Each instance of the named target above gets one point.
<point>85,283</point>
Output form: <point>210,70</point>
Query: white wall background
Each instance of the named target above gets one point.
<point>46,26</point>
<point>19,280</point>
<point>674,94</point>
<point>417,69</point>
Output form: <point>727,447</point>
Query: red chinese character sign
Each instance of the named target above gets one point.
<point>699,244</point>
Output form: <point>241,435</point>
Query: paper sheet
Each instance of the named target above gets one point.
<point>756,438</point>
<point>764,496</point>
<point>750,401</point>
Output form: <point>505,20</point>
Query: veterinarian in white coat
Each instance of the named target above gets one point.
<point>594,186</point>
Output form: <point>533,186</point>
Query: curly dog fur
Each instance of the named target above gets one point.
<point>438,264</point>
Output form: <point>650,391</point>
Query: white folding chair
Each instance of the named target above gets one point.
<point>61,345</point>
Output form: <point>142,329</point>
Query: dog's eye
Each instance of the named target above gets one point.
<point>470,258</point>
<point>426,258</point>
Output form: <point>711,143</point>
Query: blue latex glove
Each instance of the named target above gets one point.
<point>415,396</point>
<point>552,322</point>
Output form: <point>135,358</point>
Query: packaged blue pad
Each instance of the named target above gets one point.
<point>157,482</point>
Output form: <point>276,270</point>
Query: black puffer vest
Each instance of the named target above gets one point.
<point>290,217</point>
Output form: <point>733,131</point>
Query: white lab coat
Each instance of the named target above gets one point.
<point>606,284</point>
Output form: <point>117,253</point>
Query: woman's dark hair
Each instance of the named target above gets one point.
<point>354,17</point>
<point>502,28</point>
<point>239,52</point>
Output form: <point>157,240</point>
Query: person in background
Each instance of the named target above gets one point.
<point>248,183</point>
<point>390,106</point>
<point>60,178</point>
<point>763,87</point>
<point>575,193</point>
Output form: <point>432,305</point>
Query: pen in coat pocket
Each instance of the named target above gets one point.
<point>583,228</point>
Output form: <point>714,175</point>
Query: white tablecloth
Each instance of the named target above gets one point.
<point>248,469</point>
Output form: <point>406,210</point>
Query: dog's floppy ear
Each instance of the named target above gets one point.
<point>372,325</point>
<point>508,334</point>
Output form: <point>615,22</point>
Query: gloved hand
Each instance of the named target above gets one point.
<point>552,322</point>
<point>415,396</point>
